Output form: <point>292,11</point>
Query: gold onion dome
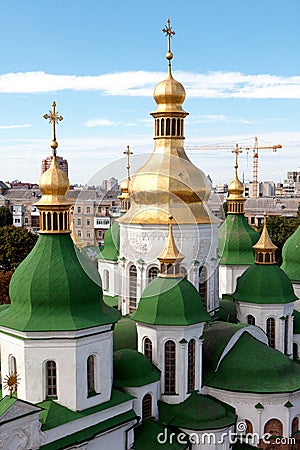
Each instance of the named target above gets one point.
<point>265,249</point>
<point>169,182</point>
<point>235,188</point>
<point>54,185</point>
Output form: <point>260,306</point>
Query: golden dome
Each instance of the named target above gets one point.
<point>265,249</point>
<point>54,185</point>
<point>169,95</point>
<point>124,187</point>
<point>235,188</point>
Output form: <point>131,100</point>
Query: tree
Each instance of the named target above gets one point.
<point>5,277</point>
<point>6,217</point>
<point>15,244</point>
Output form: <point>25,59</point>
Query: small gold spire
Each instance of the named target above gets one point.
<point>170,258</point>
<point>265,249</point>
<point>169,32</point>
<point>128,153</point>
<point>236,199</point>
<point>53,118</point>
<point>124,197</point>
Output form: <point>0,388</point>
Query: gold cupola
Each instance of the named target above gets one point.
<point>169,182</point>
<point>236,199</point>
<point>54,184</point>
<point>170,258</point>
<point>265,249</point>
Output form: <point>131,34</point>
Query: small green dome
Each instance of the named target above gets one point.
<point>54,289</point>
<point>236,240</point>
<point>111,248</point>
<point>291,256</point>
<point>170,301</point>
<point>264,284</point>
<point>132,369</point>
<point>252,366</point>
<point>125,334</point>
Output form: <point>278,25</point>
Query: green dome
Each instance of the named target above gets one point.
<point>111,248</point>
<point>291,256</point>
<point>197,412</point>
<point>170,301</point>
<point>125,334</point>
<point>236,239</point>
<point>251,366</point>
<point>264,284</point>
<point>132,369</point>
<point>55,289</point>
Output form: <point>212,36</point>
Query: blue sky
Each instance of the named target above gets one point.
<point>99,60</point>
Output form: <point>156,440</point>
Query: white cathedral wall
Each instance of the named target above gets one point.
<point>214,439</point>
<point>159,335</point>
<point>228,275</point>
<point>296,286</point>
<point>262,312</point>
<point>110,286</point>
<point>141,244</point>
<point>70,352</point>
<point>139,392</point>
<point>273,407</point>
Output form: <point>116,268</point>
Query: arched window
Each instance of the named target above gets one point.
<point>106,279</point>
<point>12,364</point>
<point>274,427</point>
<point>249,429</point>
<point>295,425</point>
<point>90,374</point>
<point>167,127</point>
<point>132,288</point>
<point>51,379</point>
<point>162,127</point>
<point>286,335</point>
<point>250,320</point>
<point>191,365</point>
<point>170,367</point>
<point>147,406</point>
<point>295,350</point>
<point>173,127</point>
<point>203,285</point>
<point>271,331</point>
<point>148,349</point>
<point>152,273</point>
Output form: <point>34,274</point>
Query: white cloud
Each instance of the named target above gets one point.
<point>100,123</point>
<point>141,84</point>
<point>9,127</point>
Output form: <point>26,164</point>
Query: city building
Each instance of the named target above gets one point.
<point>62,163</point>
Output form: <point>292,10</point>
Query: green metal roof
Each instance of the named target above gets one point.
<point>170,301</point>
<point>132,369</point>
<point>146,437</point>
<point>197,412</point>
<point>111,248</point>
<point>125,334</point>
<point>251,366</point>
<point>264,284</point>
<point>226,311</point>
<point>291,256</point>
<point>236,239</point>
<point>53,290</point>
<point>111,300</point>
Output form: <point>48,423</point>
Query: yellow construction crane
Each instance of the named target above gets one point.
<point>255,149</point>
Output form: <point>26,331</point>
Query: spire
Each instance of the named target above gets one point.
<point>236,199</point>
<point>169,32</point>
<point>265,249</point>
<point>54,184</point>
<point>124,197</point>
<point>170,258</point>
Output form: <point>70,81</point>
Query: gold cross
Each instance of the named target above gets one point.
<point>53,118</point>
<point>169,32</point>
<point>128,153</point>
<point>237,150</point>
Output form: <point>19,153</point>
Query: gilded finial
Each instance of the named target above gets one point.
<point>264,248</point>
<point>53,118</point>
<point>169,32</point>
<point>128,153</point>
<point>170,258</point>
<point>11,382</point>
<point>236,151</point>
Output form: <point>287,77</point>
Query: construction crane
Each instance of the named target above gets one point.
<point>255,149</point>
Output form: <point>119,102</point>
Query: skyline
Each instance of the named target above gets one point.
<point>238,63</point>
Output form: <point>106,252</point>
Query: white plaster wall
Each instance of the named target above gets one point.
<point>22,433</point>
<point>273,407</point>
<point>141,244</point>
<point>70,355</point>
<point>228,275</point>
<point>262,312</point>
<point>158,336</point>
<point>296,286</point>
<point>140,392</point>
<point>114,276</point>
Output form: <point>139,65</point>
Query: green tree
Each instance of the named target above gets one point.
<point>280,229</point>
<point>5,277</point>
<point>15,244</point>
<point>6,217</point>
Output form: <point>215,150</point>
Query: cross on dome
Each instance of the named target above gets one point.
<point>53,118</point>
<point>169,32</point>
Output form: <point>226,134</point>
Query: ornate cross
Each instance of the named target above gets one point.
<point>128,153</point>
<point>53,118</point>
<point>169,32</point>
<point>237,150</point>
